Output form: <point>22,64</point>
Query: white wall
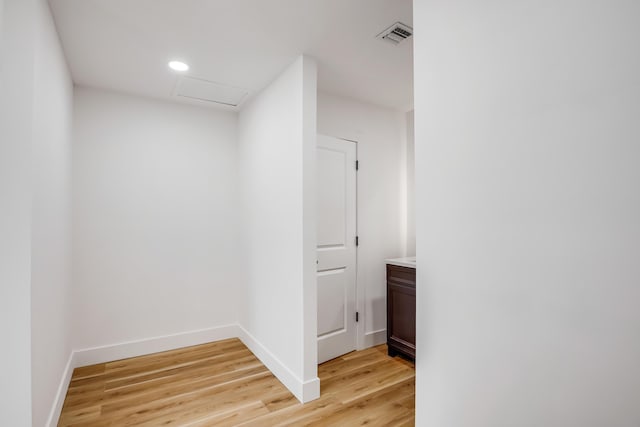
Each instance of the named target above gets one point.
<point>411,187</point>
<point>277,164</point>
<point>35,185</point>
<point>309,229</point>
<point>51,218</point>
<point>17,47</point>
<point>155,227</point>
<point>381,137</point>
<point>528,213</point>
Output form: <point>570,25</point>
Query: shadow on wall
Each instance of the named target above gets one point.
<point>379,305</point>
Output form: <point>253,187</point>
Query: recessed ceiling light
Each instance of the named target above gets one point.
<point>178,66</point>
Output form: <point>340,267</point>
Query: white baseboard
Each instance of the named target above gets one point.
<point>54,415</point>
<point>310,390</point>
<point>374,338</point>
<point>124,350</point>
<point>304,391</point>
<point>109,353</point>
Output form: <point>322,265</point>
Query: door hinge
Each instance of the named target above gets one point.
<point>357,240</point>
<point>357,316</point>
<point>357,165</point>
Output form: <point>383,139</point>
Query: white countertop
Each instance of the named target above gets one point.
<point>409,261</point>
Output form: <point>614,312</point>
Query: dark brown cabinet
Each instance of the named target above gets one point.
<point>401,310</point>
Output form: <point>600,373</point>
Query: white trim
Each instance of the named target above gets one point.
<point>374,338</point>
<point>109,353</point>
<point>360,288</point>
<point>124,350</point>
<point>56,409</point>
<point>361,291</point>
<point>310,390</point>
<point>304,391</point>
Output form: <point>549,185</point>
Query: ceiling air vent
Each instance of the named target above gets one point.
<point>397,33</point>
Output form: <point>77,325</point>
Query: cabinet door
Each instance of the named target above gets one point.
<point>401,318</point>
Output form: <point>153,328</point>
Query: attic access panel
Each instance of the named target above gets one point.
<point>208,91</point>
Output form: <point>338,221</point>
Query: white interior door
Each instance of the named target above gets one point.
<point>336,204</point>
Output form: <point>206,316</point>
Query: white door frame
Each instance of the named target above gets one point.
<point>360,292</point>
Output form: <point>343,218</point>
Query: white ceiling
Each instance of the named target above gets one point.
<point>125,45</point>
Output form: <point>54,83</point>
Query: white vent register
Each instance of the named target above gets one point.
<point>396,34</point>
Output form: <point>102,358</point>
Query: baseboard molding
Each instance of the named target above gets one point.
<point>310,390</point>
<point>54,415</point>
<point>374,338</point>
<point>124,350</point>
<point>304,391</point>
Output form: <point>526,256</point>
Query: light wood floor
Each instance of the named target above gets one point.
<point>224,384</point>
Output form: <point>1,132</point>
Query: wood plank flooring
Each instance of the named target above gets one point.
<point>224,384</point>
